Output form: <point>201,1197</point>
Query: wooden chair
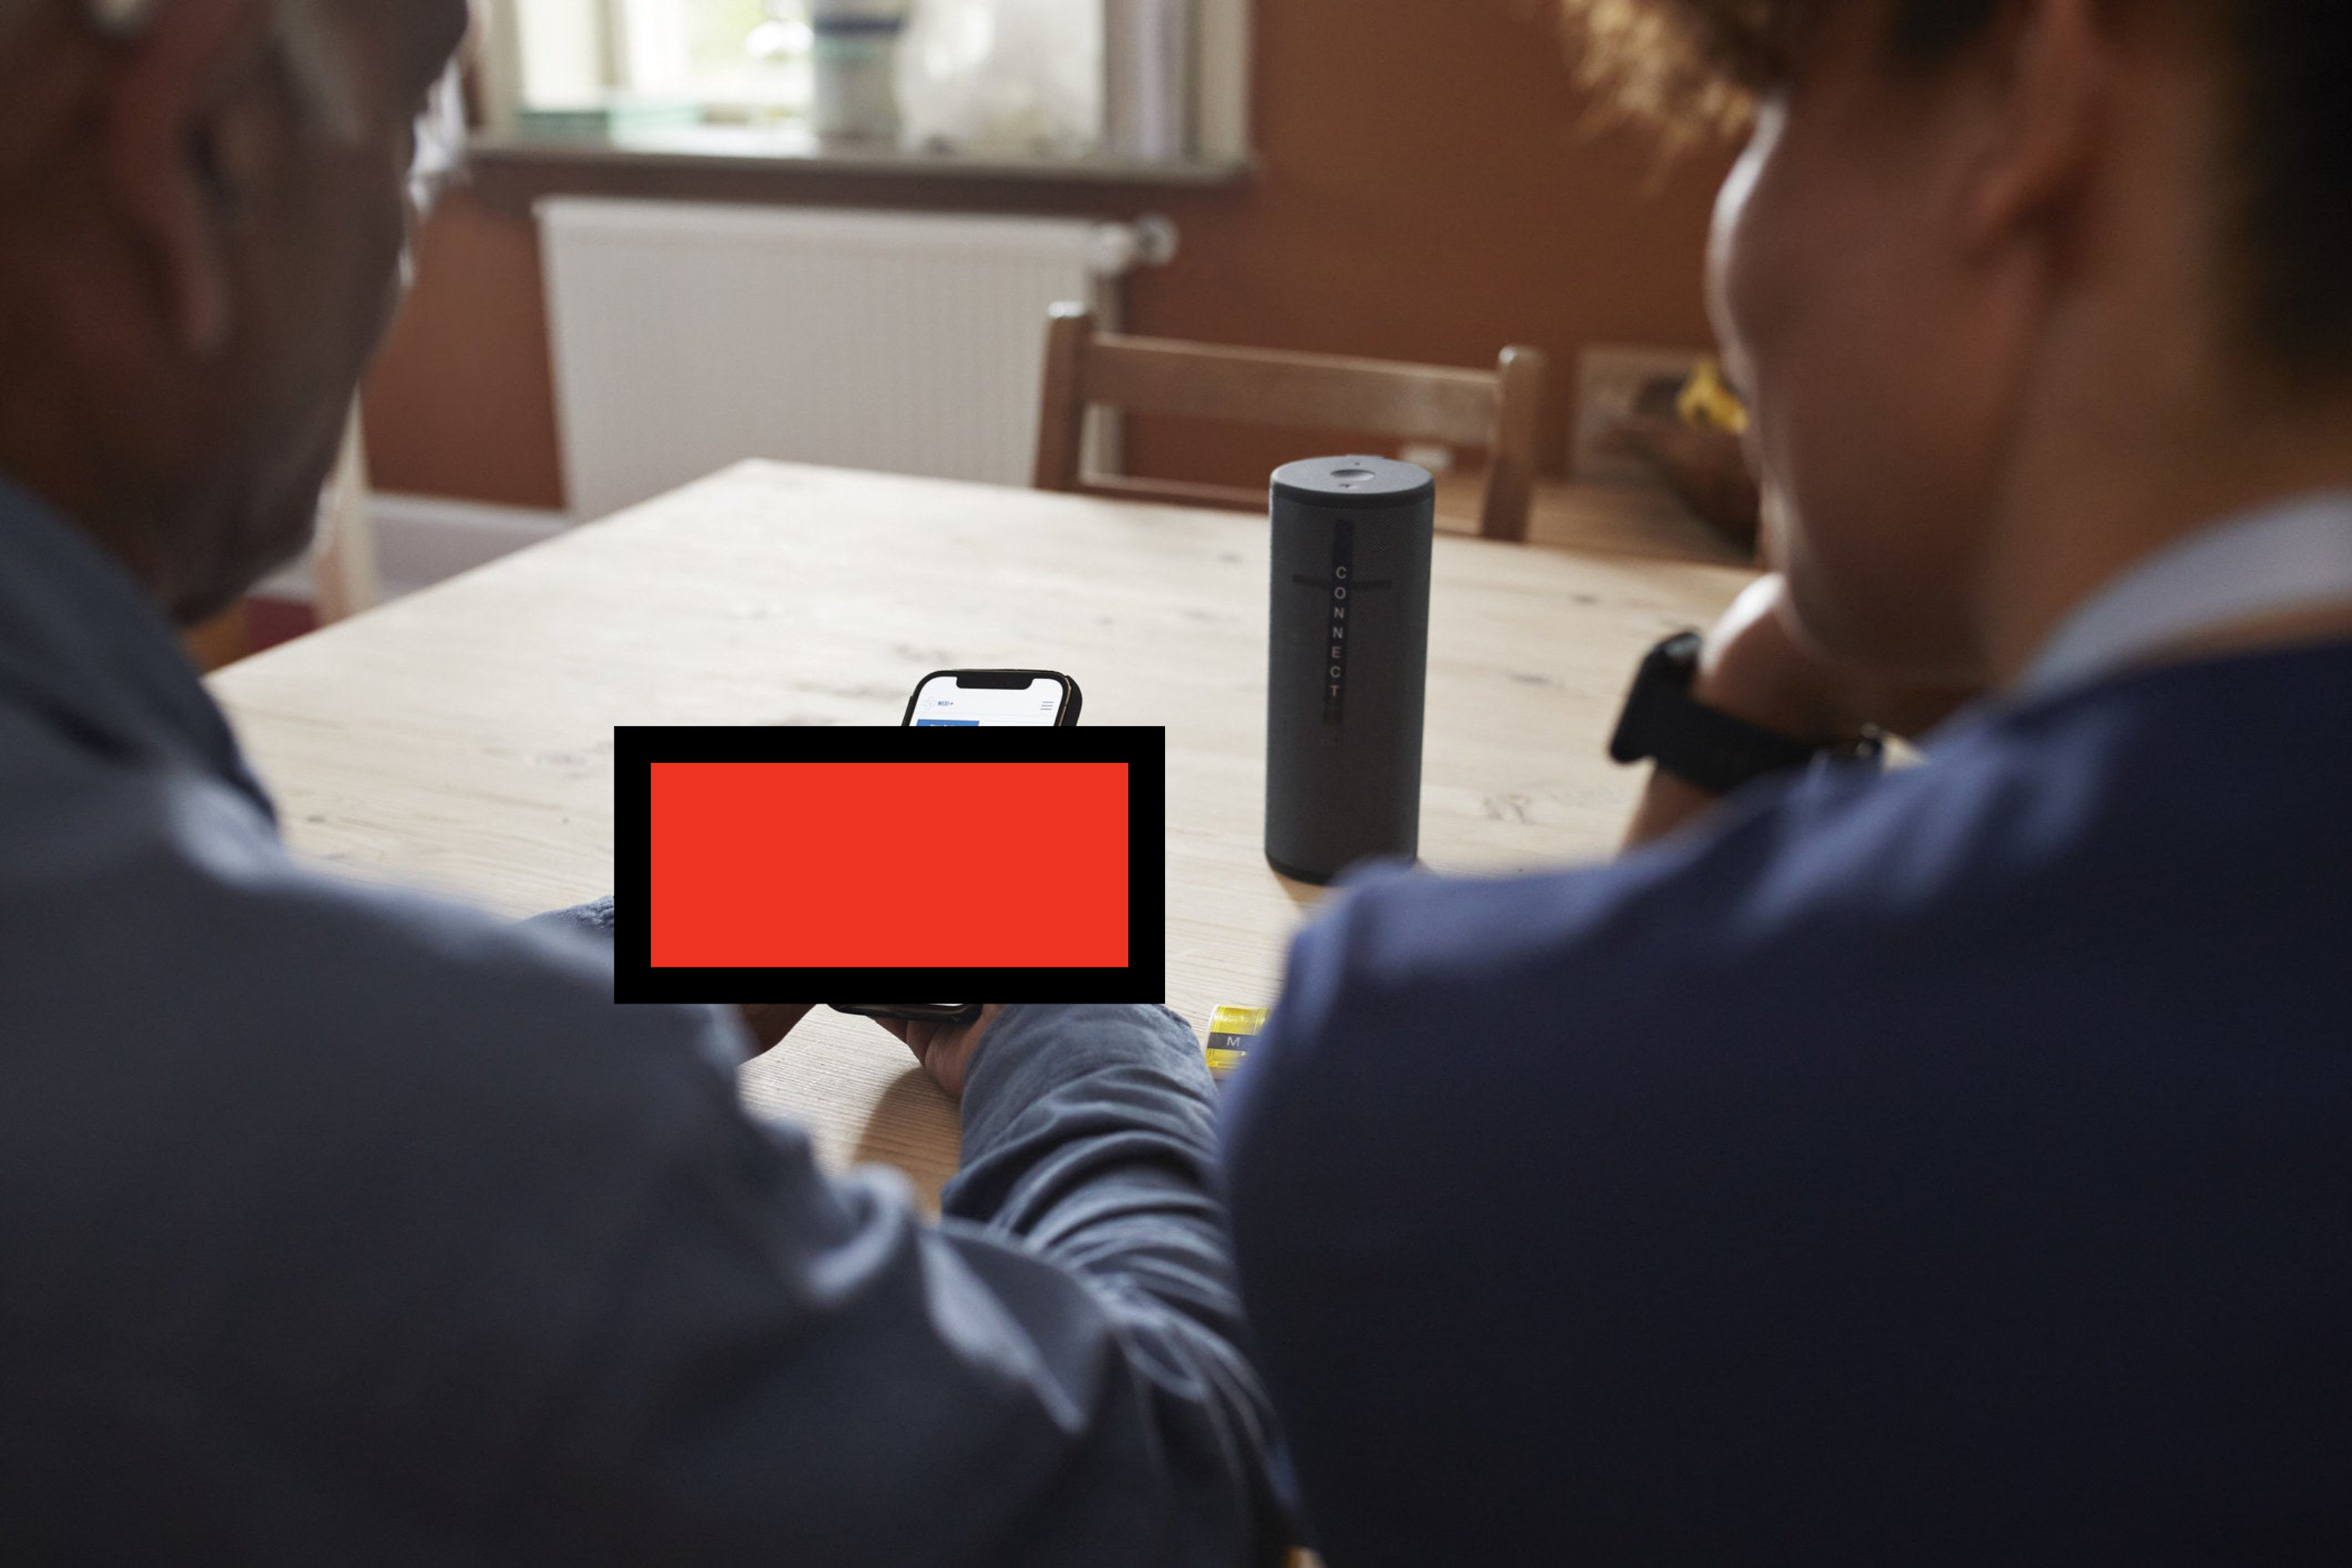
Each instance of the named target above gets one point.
<point>224,639</point>
<point>342,562</point>
<point>343,565</point>
<point>1495,410</point>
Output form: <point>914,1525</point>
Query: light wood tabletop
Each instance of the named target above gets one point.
<point>461,737</point>
<point>1600,520</point>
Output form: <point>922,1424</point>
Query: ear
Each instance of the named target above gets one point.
<point>159,126</point>
<point>2047,79</point>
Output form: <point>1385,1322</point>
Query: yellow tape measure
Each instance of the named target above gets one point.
<point>1230,1032</point>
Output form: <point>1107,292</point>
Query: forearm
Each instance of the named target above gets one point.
<point>769,1022</point>
<point>1668,800</point>
<point>1755,668</point>
<point>1089,1133</point>
<point>1061,1096</point>
<point>1666,805</point>
<point>795,1365</point>
<point>591,919</point>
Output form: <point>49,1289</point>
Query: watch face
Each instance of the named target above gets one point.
<point>1661,684</point>
<point>1678,655</point>
<point>1701,745</point>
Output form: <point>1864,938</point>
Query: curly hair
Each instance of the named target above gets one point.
<point>1693,67</point>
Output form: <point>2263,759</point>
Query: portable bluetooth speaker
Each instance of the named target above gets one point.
<point>1348,658</point>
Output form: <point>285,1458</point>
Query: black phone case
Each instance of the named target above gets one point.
<point>918,1013</point>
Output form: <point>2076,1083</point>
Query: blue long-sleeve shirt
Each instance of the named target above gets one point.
<point>339,1223</point>
<point>1953,1166</point>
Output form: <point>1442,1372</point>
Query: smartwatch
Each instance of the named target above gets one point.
<point>1704,746</point>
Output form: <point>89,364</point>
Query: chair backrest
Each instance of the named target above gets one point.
<point>342,566</point>
<point>1496,410</point>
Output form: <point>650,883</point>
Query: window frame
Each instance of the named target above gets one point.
<point>1222,96</point>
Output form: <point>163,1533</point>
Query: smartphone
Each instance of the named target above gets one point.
<point>960,698</point>
<point>920,1012</point>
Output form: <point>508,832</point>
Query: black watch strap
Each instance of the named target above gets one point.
<point>1698,745</point>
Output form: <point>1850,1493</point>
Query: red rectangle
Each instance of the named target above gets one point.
<point>890,864</point>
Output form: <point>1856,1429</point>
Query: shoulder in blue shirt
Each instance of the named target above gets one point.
<point>338,1224</point>
<point>1950,1166</point>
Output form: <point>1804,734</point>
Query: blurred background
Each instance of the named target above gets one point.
<point>827,230</point>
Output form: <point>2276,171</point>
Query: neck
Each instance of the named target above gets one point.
<point>2142,416</point>
<point>41,455</point>
<point>2083,511</point>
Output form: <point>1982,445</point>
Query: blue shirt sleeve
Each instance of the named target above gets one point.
<point>798,1366</point>
<point>1940,1167</point>
<point>593,918</point>
<point>375,1228</point>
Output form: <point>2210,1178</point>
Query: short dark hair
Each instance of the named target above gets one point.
<point>1685,64</point>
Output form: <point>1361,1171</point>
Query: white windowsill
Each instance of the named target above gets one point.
<point>795,147</point>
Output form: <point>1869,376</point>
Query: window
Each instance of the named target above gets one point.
<point>584,66</point>
<point>802,78</point>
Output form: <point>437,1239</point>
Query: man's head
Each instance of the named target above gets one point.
<point>204,208</point>
<point>2016,287</point>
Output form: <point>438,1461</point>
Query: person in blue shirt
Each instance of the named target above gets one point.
<point>342,1224</point>
<point>1946,1164</point>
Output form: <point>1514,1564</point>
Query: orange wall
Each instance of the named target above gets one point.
<point>1427,190</point>
<point>462,400</point>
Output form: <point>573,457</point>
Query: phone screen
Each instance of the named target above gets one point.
<point>942,702</point>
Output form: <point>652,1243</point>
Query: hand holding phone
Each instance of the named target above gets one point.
<point>945,1049</point>
<point>913,1011</point>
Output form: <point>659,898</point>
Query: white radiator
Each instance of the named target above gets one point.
<point>687,337</point>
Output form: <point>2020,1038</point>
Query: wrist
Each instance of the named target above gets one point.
<point>1767,699</point>
<point>1753,667</point>
<point>1666,803</point>
<point>1667,720</point>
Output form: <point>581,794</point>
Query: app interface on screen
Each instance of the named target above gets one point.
<point>944,702</point>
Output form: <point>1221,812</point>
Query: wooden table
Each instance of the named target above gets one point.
<point>462,737</point>
<point>1644,520</point>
